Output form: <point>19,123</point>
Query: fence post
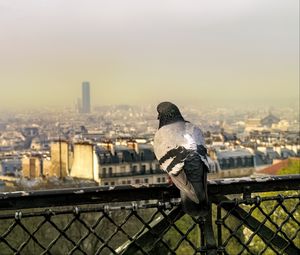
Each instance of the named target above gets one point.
<point>209,236</point>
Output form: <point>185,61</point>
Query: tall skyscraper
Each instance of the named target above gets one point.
<point>86,102</point>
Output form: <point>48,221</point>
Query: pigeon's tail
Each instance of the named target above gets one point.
<point>192,208</point>
<point>196,173</point>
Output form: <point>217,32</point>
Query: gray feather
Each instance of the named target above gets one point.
<point>185,186</point>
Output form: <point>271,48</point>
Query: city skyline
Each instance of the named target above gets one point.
<point>136,52</point>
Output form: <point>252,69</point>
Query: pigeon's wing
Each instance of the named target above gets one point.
<point>196,174</point>
<point>192,178</point>
<point>196,137</point>
<point>182,183</point>
<point>168,148</point>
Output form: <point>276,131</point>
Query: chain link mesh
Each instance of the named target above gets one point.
<point>260,225</point>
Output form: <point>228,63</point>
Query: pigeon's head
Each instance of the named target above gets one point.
<point>168,113</point>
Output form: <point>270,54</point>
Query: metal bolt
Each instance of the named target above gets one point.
<point>18,215</point>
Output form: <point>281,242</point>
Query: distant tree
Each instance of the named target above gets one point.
<point>292,168</point>
<point>280,218</point>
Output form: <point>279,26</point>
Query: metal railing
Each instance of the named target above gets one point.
<point>250,216</point>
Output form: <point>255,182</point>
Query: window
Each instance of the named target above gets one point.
<point>212,167</point>
<point>225,163</point>
<point>123,182</point>
<point>110,171</point>
<point>142,156</point>
<point>106,183</point>
<point>137,181</point>
<point>158,179</point>
<point>163,179</point>
<point>146,180</point>
<point>104,172</point>
<point>231,162</point>
<point>128,182</point>
<point>249,161</point>
<point>108,158</point>
<point>112,183</point>
<point>120,156</point>
<point>243,161</point>
<point>143,169</point>
<point>134,169</point>
<point>132,156</point>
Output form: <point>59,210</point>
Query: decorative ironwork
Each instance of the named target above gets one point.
<point>133,222</point>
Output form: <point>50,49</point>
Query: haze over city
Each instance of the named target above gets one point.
<point>91,161</point>
<point>143,52</point>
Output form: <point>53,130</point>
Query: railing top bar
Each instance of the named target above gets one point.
<point>105,194</point>
<point>212,185</point>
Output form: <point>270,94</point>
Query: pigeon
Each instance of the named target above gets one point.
<point>180,149</point>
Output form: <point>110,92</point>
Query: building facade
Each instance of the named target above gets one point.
<point>59,159</point>
<point>32,167</point>
<point>85,163</point>
<point>130,164</point>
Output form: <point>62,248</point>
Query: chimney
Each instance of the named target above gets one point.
<point>108,145</point>
<point>132,144</point>
<point>212,153</point>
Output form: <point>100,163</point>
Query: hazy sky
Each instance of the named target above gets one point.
<point>140,52</point>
